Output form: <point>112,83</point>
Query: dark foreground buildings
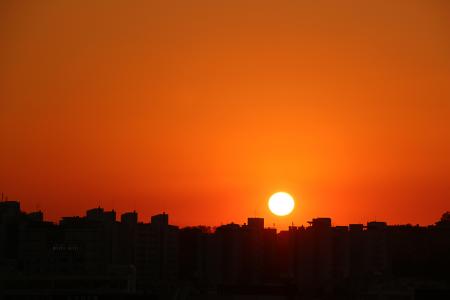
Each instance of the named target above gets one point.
<point>99,257</point>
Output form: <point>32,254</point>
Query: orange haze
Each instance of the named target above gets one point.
<point>204,108</point>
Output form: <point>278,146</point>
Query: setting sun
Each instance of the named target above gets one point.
<point>281,204</point>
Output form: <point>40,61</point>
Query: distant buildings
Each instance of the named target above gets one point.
<point>98,256</point>
<point>156,252</point>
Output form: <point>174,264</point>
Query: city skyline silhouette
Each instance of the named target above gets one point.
<point>101,256</point>
<point>287,218</point>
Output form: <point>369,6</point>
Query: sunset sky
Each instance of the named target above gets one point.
<point>204,108</point>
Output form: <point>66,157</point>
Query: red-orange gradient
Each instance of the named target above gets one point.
<point>204,108</point>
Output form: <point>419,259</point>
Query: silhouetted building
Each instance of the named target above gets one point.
<point>229,252</point>
<point>341,254</point>
<point>156,252</point>
<point>10,220</point>
<point>377,250</point>
<point>36,216</point>
<point>127,238</point>
<point>253,252</point>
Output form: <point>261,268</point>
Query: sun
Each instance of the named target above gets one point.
<point>281,204</point>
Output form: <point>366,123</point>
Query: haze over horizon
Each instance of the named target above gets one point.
<point>204,109</point>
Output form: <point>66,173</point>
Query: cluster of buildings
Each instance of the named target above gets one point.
<point>98,256</point>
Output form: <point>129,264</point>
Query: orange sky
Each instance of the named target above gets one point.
<point>204,108</point>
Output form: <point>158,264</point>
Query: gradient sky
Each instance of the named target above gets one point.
<point>204,108</point>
